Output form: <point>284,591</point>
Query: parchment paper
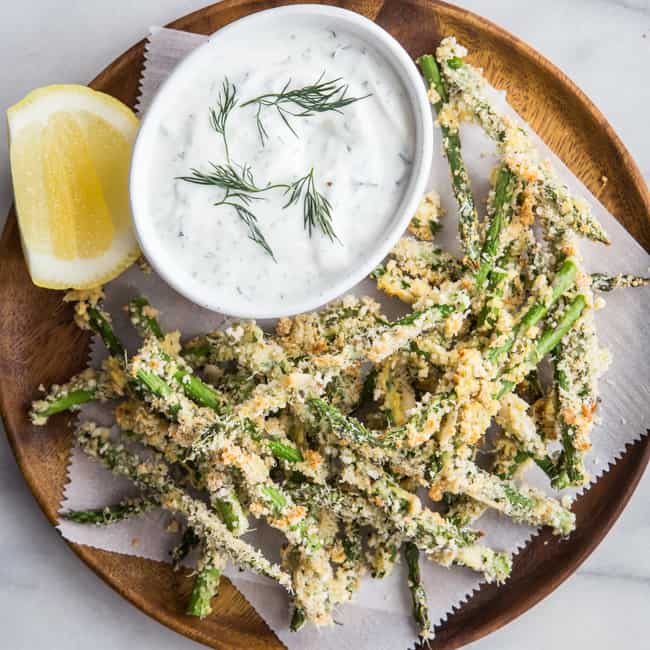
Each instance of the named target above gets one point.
<point>380,613</point>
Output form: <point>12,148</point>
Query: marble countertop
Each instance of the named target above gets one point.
<point>49,599</point>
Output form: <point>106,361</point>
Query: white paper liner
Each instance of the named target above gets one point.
<point>380,613</point>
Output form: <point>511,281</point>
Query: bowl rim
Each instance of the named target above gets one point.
<point>415,88</point>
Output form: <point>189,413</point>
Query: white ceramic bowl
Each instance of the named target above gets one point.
<point>405,68</point>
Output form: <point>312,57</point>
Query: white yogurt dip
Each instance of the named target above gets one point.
<point>362,159</point>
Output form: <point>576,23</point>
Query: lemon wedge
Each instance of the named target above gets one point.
<point>70,151</point>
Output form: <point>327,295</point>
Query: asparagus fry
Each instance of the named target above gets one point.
<point>467,215</point>
<point>88,385</point>
<point>418,594</point>
<point>352,429</point>
<point>503,194</point>
<point>297,619</point>
<point>206,586</point>
<point>564,278</point>
<point>520,503</point>
<point>99,322</point>
<point>189,541</point>
<point>578,364</point>
<point>143,317</point>
<point>112,514</point>
<point>604,282</point>
<point>549,339</point>
<point>58,403</point>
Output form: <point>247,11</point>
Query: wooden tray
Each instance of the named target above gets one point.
<point>40,344</point>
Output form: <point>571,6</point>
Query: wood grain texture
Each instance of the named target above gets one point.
<point>40,344</point>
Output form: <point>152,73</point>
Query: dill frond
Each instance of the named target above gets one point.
<point>226,101</point>
<point>319,97</point>
<point>317,210</point>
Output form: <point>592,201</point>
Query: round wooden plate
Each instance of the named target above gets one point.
<point>40,344</point>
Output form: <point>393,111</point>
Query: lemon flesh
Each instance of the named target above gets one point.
<point>70,151</point>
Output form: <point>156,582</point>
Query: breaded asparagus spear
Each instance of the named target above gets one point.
<point>125,509</point>
<point>418,594</point>
<point>468,223</point>
<point>153,475</point>
<point>605,282</point>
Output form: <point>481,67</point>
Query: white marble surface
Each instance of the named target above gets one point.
<point>49,599</point>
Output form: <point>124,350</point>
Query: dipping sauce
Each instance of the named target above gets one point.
<point>361,157</point>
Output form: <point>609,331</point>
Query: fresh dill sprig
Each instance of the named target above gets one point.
<point>319,97</point>
<point>226,101</point>
<point>317,210</point>
<point>240,191</point>
<point>250,220</point>
<point>230,177</point>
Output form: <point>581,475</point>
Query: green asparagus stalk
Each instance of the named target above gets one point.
<point>502,208</point>
<point>566,212</point>
<point>60,404</point>
<point>283,451</point>
<point>200,392</point>
<point>604,282</point>
<point>549,339</point>
<point>86,386</point>
<point>496,277</point>
<point>192,386</point>
<point>576,373</point>
<point>100,323</point>
<point>468,222</point>
<point>280,502</point>
<point>297,619</point>
<point>522,504</point>
<point>189,541</point>
<point>569,468</point>
<point>563,280</point>
<point>203,395</point>
<point>347,427</point>
<point>112,514</point>
<point>418,594</point>
<point>552,337</point>
<point>143,318</point>
<point>89,384</point>
<point>231,512</point>
<point>206,587</point>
